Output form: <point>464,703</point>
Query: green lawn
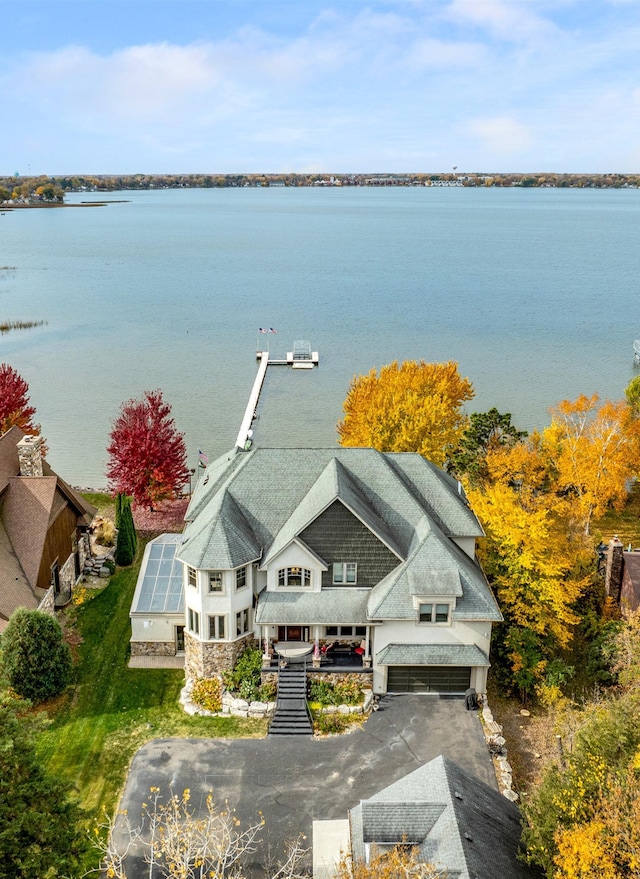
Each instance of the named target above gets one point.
<point>626,523</point>
<point>112,710</point>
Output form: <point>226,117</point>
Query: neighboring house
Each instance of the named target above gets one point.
<point>43,528</point>
<point>457,822</point>
<point>621,571</point>
<point>369,553</point>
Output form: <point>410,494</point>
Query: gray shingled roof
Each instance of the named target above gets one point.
<point>476,835</point>
<point>334,483</point>
<point>251,505</point>
<point>409,822</point>
<point>392,597</point>
<point>332,607</point>
<point>432,654</point>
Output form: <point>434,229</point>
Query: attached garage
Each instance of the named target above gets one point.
<point>431,668</point>
<point>428,679</point>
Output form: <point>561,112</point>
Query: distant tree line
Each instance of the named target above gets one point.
<point>53,188</point>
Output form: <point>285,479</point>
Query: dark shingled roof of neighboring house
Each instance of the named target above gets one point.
<point>29,506</point>
<point>457,822</point>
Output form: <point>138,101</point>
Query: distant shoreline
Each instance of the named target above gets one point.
<point>82,204</point>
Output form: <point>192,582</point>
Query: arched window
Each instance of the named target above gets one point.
<point>294,577</point>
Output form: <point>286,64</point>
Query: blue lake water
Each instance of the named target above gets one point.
<point>535,293</point>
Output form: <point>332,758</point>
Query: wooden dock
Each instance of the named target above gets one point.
<point>252,405</point>
<point>300,358</point>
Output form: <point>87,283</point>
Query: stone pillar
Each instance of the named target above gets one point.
<point>615,564</point>
<point>30,456</point>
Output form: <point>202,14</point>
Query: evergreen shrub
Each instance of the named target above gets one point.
<point>35,659</point>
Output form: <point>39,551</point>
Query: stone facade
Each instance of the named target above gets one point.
<point>30,456</point>
<point>204,659</point>
<point>153,648</point>
<point>68,575</point>
<point>362,679</point>
<point>48,605</point>
<point>84,550</point>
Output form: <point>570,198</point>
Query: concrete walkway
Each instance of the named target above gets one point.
<point>156,662</point>
<point>295,781</point>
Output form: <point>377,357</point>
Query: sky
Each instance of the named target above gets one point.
<point>275,86</point>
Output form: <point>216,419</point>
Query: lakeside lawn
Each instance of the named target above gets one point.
<point>112,710</point>
<point>625,523</point>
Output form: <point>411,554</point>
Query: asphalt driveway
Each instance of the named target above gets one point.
<point>296,780</point>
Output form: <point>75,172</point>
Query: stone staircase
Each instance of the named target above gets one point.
<point>292,716</point>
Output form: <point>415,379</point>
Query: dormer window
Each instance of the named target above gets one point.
<point>294,576</point>
<point>433,613</point>
<point>345,572</point>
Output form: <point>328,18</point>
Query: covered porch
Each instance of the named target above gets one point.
<point>303,628</point>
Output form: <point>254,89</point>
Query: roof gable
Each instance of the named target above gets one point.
<point>334,483</point>
<point>471,830</point>
<point>399,822</point>
<point>437,567</point>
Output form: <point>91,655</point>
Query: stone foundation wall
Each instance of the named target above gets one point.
<point>84,550</point>
<point>361,679</point>
<point>205,659</point>
<point>48,603</point>
<point>153,648</point>
<point>68,574</point>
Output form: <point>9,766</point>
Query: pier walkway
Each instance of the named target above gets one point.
<point>300,358</point>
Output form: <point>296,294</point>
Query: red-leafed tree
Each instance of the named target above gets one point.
<point>14,402</point>
<point>147,455</point>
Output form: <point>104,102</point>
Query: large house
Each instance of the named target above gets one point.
<point>329,551</point>
<point>43,529</point>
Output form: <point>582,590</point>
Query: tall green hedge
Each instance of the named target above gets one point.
<point>35,659</point>
<point>127,542</point>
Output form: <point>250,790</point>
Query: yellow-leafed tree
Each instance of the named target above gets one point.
<point>409,407</point>
<point>593,450</point>
<point>528,559</point>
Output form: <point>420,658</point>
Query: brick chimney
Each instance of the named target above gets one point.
<point>613,575</point>
<point>30,456</point>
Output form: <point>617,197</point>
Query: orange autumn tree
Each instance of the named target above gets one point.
<point>593,451</point>
<point>408,407</point>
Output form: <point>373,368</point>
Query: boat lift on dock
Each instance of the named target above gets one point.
<point>302,357</point>
<point>636,352</point>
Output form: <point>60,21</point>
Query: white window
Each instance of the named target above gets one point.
<point>294,577</point>
<point>241,578</point>
<point>345,572</point>
<point>193,577</point>
<point>217,627</point>
<point>346,631</point>
<point>215,581</point>
<point>433,613</point>
<point>194,622</point>
<point>242,622</point>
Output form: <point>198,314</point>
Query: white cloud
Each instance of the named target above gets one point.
<point>514,22</point>
<point>501,135</point>
<point>433,54</point>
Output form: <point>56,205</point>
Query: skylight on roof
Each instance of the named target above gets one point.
<point>161,589</point>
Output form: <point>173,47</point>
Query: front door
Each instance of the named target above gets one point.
<point>293,633</point>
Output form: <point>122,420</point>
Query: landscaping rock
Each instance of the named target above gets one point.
<point>104,572</point>
<point>511,795</point>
